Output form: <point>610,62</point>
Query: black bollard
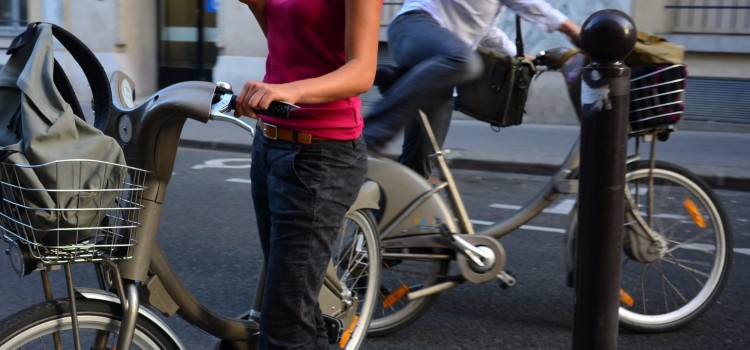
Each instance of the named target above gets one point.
<point>607,36</point>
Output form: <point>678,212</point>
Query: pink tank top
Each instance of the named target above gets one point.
<point>306,40</point>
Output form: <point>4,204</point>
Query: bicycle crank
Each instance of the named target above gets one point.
<point>480,259</point>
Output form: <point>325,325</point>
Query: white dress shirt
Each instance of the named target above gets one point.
<point>475,21</point>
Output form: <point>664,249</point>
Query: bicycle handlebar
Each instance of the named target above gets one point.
<point>224,101</point>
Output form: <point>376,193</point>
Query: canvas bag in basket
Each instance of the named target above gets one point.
<point>38,125</point>
<point>653,49</point>
<point>499,95</point>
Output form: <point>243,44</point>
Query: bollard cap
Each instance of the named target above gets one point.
<point>608,36</point>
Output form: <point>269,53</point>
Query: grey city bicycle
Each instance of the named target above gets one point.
<point>677,237</point>
<point>136,281</point>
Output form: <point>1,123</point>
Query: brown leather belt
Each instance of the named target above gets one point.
<point>274,132</point>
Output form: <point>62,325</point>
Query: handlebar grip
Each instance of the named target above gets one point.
<point>278,109</point>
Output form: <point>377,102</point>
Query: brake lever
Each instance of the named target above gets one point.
<point>220,109</point>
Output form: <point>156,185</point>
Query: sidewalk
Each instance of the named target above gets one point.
<point>720,154</point>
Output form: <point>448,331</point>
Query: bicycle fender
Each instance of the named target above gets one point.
<point>368,197</point>
<point>98,294</point>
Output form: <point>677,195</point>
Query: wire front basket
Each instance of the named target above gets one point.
<point>87,210</point>
<point>656,97</point>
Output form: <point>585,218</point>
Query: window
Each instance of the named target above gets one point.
<point>710,16</point>
<point>13,17</point>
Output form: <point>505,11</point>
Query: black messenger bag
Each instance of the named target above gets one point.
<point>499,96</point>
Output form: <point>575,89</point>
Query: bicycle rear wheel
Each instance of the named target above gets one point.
<point>99,322</point>
<point>356,257</point>
<point>666,290</point>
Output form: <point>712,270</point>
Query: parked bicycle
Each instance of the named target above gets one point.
<point>129,261</point>
<point>677,236</point>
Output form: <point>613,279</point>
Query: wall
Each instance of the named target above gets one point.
<point>242,45</point>
<point>124,36</point>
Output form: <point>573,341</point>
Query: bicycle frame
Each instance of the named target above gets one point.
<point>149,135</point>
<point>415,198</point>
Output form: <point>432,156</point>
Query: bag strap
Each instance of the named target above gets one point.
<point>519,38</point>
<point>65,88</point>
<point>565,57</point>
<point>4,154</point>
<point>92,69</point>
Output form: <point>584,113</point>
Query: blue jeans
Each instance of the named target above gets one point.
<point>437,61</point>
<point>301,194</point>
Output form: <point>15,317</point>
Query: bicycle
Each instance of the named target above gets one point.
<point>678,240</point>
<point>129,262</point>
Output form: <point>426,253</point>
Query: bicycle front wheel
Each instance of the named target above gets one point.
<point>356,257</point>
<point>667,284</point>
<point>690,274</point>
<point>44,325</point>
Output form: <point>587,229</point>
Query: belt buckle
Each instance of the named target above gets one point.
<point>275,129</point>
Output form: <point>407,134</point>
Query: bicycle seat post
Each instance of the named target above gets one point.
<point>458,205</point>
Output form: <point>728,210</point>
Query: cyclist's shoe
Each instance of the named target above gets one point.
<point>386,76</point>
<point>375,147</point>
<point>375,151</point>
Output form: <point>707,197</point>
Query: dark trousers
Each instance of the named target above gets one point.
<point>301,194</point>
<point>437,61</point>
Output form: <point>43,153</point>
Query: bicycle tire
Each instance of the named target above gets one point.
<point>394,314</point>
<point>356,256</point>
<point>695,267</point>
<point>33,327</point>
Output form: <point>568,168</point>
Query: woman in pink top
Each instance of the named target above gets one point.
<point>307,169</point>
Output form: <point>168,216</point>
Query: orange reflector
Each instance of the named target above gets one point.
<point>348,333</point>
<point>694,212</point>
<point>395,296</point>
<point>626,299</point>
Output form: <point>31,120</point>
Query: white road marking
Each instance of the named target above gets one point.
<point>524,227</point>
<point>243,181</point>
<point>225,163</point>
<point>562,208</point>
<point>482,222</point>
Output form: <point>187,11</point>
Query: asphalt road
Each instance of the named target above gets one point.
<point>208,234</point>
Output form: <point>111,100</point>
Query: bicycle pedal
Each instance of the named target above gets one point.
<point>507,279</point>
<point>335,329</point>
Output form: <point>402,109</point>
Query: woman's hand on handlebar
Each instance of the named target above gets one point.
<point>257,95</point>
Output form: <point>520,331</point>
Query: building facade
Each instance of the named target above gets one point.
<point>159,42</point>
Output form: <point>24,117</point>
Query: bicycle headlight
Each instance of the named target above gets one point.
<point>20,258</point>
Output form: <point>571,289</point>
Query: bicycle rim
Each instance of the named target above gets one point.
<point>357,261</point>
<point>689,276</point>
<point>399,276</point>
<point>99,323</point>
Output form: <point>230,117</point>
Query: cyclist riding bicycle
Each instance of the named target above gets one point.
<point>434,41</point>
